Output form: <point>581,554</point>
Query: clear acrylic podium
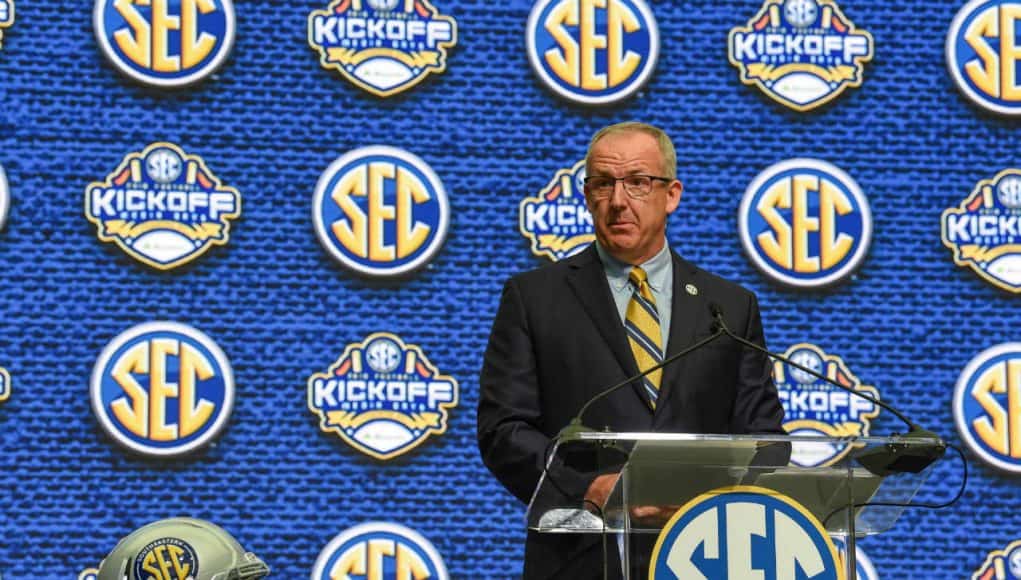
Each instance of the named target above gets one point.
<point>669,469</point>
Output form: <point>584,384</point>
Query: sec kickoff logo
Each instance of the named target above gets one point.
<point>813,407</point>
<point>805,223</point>
<point>987,406</point>
<point>382,46</point>
<point>6,17</point>
<point>162,389</point>
<point>383,397</point>
<point>380,211</point>
<point>163,207</point>
<point>556,221</point>
<point>1002,564</point>
<point>379,551</point>
<point>982,53</point>
<point>984,230</point>
<point>165,43</point>
<point>167,559</point>
<point>593,52</point>
<point>801,53</point>
<point>5,384</point>
<point>744,532</point>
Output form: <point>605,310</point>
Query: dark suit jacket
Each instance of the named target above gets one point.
<point>557,340</point>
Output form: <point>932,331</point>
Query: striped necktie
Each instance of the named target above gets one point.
<point>642,326</point>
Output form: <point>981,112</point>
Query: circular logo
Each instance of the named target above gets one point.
<point>740,532</point>
<point>167,559</point>
<point>805,223</point>
<point>1014,561</point>
<point>982,56</point>
<point>592,54</point>
<point>162,389</point>
<point>808,359</point>
<point>383,355</point>
<point>801,13</point>
<point>987,406</point>
<point>165,44</point>
<point>5,197</point>
<point>163,165</point>
<point>380,211</point>
<point>1008,191</point>
<point>348,553</point>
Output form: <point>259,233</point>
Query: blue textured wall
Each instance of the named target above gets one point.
<point>272,120</point>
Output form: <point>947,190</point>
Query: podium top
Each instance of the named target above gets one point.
<point>824,474</point>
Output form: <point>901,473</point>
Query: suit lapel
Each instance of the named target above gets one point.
<point>685,313</point>
<point>587,280</point>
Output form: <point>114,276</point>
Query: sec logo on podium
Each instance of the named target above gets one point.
<point>744,532</point>
<point>592,52</point>
<point>162,389</point>
<point>165,43</point>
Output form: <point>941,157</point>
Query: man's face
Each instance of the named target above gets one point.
<point>632,230</point>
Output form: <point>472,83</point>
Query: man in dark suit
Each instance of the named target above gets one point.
<point>565,332</point>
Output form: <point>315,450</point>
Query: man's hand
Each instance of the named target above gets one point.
<point>653,515</point>
<point>600,489</point>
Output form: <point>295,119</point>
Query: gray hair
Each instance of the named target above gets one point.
<point>666,146</point>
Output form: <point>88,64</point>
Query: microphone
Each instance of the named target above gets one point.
<point>576,426</point>
<point>882,461</point>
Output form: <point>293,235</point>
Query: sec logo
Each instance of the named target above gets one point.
<point>382,46</point>
<point>801,53</point>
<point>1002,564</point>
<point>379,551</point>
<point>815,408</point>
<point>162,206</point>
<point>167,559</point>
<point>162,389</point>
<point>6,17</point>
<point>987,406</point>
<point>380,211</point>
<point>592,52</point>
<point>744,532</point>
<point>556,221</point>
<point>983,230</point>
<point>165,43</point>
<point>382,396</point>
<point>805,223</point>
<point>982,54</point>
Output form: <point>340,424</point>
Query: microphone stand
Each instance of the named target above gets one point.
<point>882,461</point>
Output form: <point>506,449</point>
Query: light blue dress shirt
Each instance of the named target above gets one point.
<point>659,268</point>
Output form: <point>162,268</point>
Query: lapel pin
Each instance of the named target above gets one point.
<point>692,289</point>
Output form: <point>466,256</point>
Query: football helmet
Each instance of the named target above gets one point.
<point>181,549</point>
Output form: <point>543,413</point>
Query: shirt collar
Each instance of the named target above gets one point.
<point>657,268</point>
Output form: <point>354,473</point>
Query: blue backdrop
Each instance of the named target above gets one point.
<point>272,120</point>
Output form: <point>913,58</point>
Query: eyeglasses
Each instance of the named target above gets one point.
<point>601,187</point>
